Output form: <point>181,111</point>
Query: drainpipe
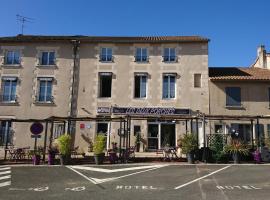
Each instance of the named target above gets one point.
<point>75,86</point>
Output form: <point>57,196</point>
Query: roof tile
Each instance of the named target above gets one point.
<point>239,73</point>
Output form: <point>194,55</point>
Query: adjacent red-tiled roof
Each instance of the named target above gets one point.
<point>239,73</point>
<point>120,39</point>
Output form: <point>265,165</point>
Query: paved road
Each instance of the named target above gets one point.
<point>153,181</point>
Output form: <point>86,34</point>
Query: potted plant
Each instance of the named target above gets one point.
<point>99,146</point>
<point>138,142</point>
<point>236,149</point>
<point>189,145</point>
<point>52,151</point>
<point>64,145</point>
<point>113,153</point>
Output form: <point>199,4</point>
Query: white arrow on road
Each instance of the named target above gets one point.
<point>95,169</point>
<point>98,181</point>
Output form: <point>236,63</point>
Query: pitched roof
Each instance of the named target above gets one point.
<point>239,73</point>
<point>120,39</point>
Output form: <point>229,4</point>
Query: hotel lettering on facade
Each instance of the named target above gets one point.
<point>79,76</point>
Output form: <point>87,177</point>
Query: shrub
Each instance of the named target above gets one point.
<point>99,144</point>
<point>237,147</point>
<point>188,143</point>
<point>64,144</point>
<point>217,147</point>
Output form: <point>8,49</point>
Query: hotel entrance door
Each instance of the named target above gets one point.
<point>167,136</point>
<point>160,134</point>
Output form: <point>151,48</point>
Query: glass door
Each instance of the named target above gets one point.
<point>5,133</point>
<point>167,136</point>
<point>153,130</point>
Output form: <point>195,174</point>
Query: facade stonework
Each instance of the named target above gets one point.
<point>78,86</point>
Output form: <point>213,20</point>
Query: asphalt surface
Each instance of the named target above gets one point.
<point>153,181</point>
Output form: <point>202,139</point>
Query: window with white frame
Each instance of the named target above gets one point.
<point>141,55</point>
<point>47,58</point>
<point>6,136</point>
<point>169,55</point>
<point>59,129</point>
<point>106,54</point>
<point>105,84</point>
<point>140,85</point>
<point>45,90</point>
<point>169,86</point>
<point>9,85</point>
<point>12,57</point>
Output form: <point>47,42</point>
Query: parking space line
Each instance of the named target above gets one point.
<point>195,180</point>
<point>115,170</point>
<point>87,178</point>
<point>115,178</point>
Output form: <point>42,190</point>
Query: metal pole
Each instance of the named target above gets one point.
<point>120,140</point>
<point>186,127</point>
<point>204,140</point>
<point>258,132</point>
<point>129,125</point>
<point>64,126</point>
<point>7,133</point>
<point>197,131</point>
<point>252,134</point>
<point>45,140</point>
<point>191,128</point>
<point>51,135</point>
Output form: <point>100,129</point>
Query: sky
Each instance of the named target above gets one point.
<point>235,27</point>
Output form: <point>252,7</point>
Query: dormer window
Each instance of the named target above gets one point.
<point>47,58</point>
<point>12,58</point>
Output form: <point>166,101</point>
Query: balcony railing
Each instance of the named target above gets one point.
<point>170,59</point>
<point>106,58</point>
<point>45,99</point>
<point>141,59</point>
<point>9,98</point>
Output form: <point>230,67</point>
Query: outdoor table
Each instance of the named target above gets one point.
<point>16,153</point>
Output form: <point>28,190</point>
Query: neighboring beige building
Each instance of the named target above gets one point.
<point>36,77</point>
<point>242,92</point>
<point>156,76</point>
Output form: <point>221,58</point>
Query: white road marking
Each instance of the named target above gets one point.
<point>114,170</point>
<point>5,177</point>
<point>115,178</point>
<point>98,181</point>
<point>4,168</point>
<point>5,172</point>
<point>195,180</point>
<point>87,178</point>
<point>5,183</point>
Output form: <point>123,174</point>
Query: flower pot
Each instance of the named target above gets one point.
<point>51,158</point>
<point>99,158</point>
<point>112,157</point>
<point>64,159</point>
<point>190,157</point>
<point>236,158</point>
<point>138,147</point>
<point>36,159</point>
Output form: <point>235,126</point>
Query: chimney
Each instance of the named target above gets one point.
<point>261,53</point>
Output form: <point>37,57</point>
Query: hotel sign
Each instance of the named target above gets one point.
<point>142,111</point>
